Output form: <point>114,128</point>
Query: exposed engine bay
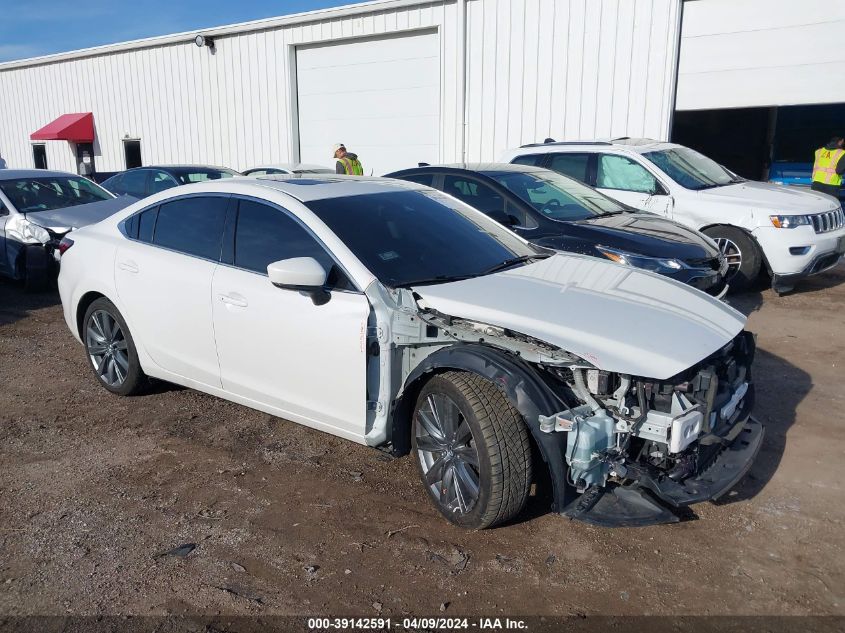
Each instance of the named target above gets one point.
<point>674,440</point>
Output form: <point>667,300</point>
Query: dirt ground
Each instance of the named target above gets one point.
<point>94,488</point>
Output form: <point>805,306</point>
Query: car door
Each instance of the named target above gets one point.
<point>163,274</point>
<point>277,347</point>
<point>624,179</point>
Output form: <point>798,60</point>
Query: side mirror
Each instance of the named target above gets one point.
<point>304,274</point>
<point>3,210</point>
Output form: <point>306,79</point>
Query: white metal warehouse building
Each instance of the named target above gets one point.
<point>406,81</point>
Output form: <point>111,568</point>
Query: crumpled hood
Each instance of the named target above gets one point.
<point>773,198</point>
<point>81,215</point>
<point>617,318</point>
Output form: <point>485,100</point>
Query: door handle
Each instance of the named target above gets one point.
<point>130,266</point>
<point>234,300</point>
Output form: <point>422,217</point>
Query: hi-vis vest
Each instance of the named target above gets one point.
<point>352,167</point>
<point>824,169</point>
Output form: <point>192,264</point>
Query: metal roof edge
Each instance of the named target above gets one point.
<point>222,31</point>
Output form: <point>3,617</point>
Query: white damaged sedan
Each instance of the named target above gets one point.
<point>393,315</point>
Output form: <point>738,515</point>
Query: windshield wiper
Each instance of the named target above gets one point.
<point>513,261</point>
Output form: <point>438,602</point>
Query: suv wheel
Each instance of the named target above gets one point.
<point>472,450</point>
<point>111,349</point>
<point>741,252</point>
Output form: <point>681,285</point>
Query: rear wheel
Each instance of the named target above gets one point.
<point>472,450</point>
<point>741,252</point>
<point>111,349</point>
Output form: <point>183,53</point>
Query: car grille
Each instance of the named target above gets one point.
<point>830,221</point>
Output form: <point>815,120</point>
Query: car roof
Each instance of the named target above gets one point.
<point>181,167</point>
<point>290,166</point>
<point>11,174</point>
<point>482,168</point>
<point>309,187</point>
<point>637,145</point>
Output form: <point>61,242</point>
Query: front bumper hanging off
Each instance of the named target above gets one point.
<point>650,500</point>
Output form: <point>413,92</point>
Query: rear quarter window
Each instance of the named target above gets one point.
<point>193,226</point>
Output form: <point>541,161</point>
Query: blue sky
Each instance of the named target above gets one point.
<point>39,27</point>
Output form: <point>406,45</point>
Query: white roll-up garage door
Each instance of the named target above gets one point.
<point>380,97</point>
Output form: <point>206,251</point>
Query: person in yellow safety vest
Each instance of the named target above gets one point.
<point>829,167</point>
<point>347,162</point>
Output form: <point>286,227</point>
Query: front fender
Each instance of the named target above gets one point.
<point>521,384</point>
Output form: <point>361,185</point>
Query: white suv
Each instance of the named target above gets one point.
<point>793,233</point>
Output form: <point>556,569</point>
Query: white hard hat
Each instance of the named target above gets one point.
<point>336,147</point>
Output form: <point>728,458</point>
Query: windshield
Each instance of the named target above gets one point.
<point>557,197</point>
<point>199,174</point>
<point>690,169</point>
<point>418,237</point>
<point>51,192</point>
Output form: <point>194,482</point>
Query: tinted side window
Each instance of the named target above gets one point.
<point>147,224</point>
<point>134,183</point>
<point>572,165</point>
<point>265,235</point>
<point>161,181</point>
<point>476,194</point>
<point>620,172</point>
<point>529,159</point>
<point>422,179</point>
<point>192,225</point>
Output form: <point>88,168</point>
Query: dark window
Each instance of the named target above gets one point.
<point>422,179</point>
<point>132,153</point>
<point>39,156</point>
<point>418,237</point>
<point>187,175</point>
<point>265,235</point>
<point>130,226</point>
<point>257,172</point>
<point>134,183</point>
<point>161,181</point>
<point>529,159</point>
<point>476,194</point>
<point>192,225</point>
<point>572,165</point>
<point>147,224</point>
<point>51,192</point>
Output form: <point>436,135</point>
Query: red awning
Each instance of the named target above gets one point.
<point>78,128</point>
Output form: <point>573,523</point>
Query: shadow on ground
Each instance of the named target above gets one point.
<point>16,304</point>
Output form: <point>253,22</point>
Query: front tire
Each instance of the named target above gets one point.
<point>742,253</point>
<point>472,450</point>
<point>111,350</point>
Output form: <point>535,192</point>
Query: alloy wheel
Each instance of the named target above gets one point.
<point>107,348</point>
<point>447,454</point>
<point>732,254</point>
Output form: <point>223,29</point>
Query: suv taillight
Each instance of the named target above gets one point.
<point>65,244</point>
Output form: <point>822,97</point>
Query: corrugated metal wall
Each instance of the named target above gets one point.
<point>741,54</point>
<point>576,69</point>
<point>565,68</point>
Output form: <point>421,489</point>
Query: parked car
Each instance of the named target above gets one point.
<point>398,317</point>
<point>145,181</point>
<point>288,168</point>
<point>557,212</point>
<point>37,208</point>
<point>788,232</point>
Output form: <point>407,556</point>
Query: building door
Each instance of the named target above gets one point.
<point>132,153</point>
<point>378,96</point>
<point>39,156</point>
<point>85,159</point>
